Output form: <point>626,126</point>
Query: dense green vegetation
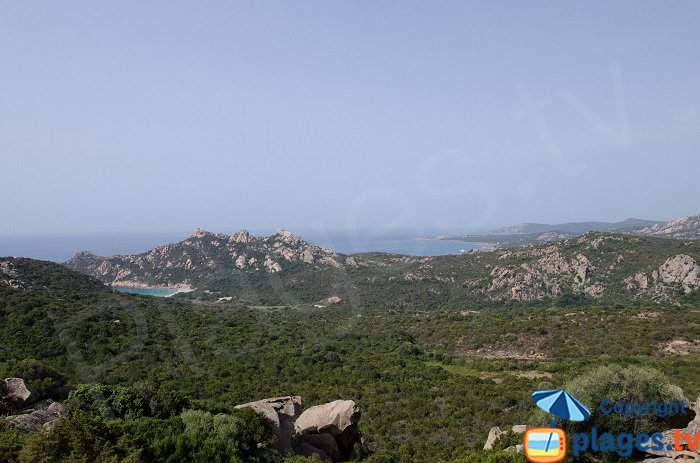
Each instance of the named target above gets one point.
<point>430,383</point>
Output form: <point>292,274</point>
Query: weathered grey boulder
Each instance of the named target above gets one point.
<point>332,418</point>
<point>324,442</point>
<point>44,414</point>
<point>18,393</point>
<point>338,418</point>
<point>280,411</point>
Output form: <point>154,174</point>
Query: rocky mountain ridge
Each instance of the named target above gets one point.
<point>576,227</point>
<point>687,227</point>
<point>178,265</point>
<point>284,269</point>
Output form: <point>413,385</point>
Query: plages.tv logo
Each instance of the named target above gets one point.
<point>548,445</point>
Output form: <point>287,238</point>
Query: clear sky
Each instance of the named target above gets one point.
<point>171,115</point>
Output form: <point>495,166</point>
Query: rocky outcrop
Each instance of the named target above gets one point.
<point>680,228</point>
<point>681,270</point>
<point>26,413</point>
<point>338,419</point>
<point>42,415</point>
<point>18,394</point>
<point>280,411</point>
<point>548,276</point>
<point>493,436</point>
<point>329,430</point>
<point>668,454</point>
<point>203,253</point>
<point>9,276</point>
<point>495,433</point>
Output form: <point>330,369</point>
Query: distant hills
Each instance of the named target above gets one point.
<point>524,234</point>
<point>576,227</point>
<point>283,269</point>
<point>680,228</point>
<point>206,255</point>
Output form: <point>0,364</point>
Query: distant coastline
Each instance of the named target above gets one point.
<point>475,245</point>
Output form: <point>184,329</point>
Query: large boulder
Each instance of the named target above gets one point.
<point>44,414</point>
<point>332,418</point>
<point>338,419</point>
<point>280,411</point>
<point>18,393</point>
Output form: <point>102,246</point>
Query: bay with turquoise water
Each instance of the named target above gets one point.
<point>157,292</point>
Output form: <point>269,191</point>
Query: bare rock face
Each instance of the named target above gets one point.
<point>680,228</point>
<point>42,415</point>
<point>680,270</point>
<point>339,419</point>
<point>9,276</point>
<point>329,430</point>
<point>18,393</point>
<point>494,434</point>
<point>280,411</point>
<point>545,277</point>
<point>242,236</point>
<point>333,418</point>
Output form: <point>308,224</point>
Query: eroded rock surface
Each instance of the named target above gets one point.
<point>18,393</point>
<point>280,411</point>
<point>42,415</point>
<point>329,430</point>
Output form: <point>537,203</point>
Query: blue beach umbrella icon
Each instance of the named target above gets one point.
<point>561,404</point>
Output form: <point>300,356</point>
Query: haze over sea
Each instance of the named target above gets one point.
<point>59,248</point>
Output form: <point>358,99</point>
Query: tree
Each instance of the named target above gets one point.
<point>100,400</point>
<point>621,384</point>
<point>81,439</point>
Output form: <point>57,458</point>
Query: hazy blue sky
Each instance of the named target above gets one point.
<point>167,115</point>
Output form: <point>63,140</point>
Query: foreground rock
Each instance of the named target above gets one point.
<point>338,419</point>
<point>280,411</point>
<point>42,415</point>
<point>330,430</point>
<point>18,394</point>
<point>674,456</point>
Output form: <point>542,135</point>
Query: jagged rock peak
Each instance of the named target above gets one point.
<point>84,254</point>
<point>287,237</point>
<point>283,232</point>
<point>199,233</point>
<point>242,236</point>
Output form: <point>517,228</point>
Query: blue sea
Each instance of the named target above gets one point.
<point>60,248</point>
<point>157,292</point>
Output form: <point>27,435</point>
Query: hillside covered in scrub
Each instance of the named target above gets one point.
<point>284,269</point>
<point>430,384</point>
